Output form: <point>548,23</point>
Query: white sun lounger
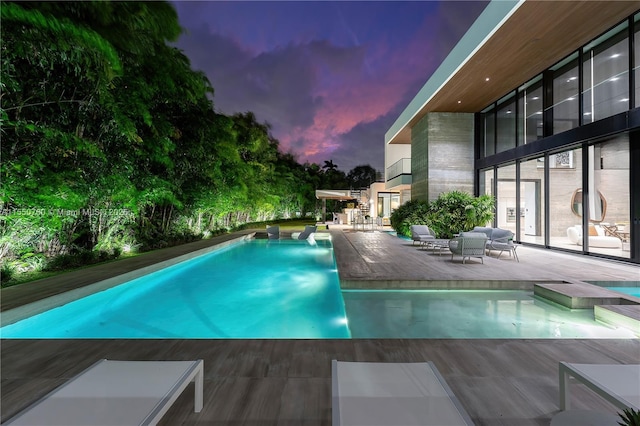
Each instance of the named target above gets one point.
<point>617,383</point>
<point>116,393</point>
<point>393,394</point>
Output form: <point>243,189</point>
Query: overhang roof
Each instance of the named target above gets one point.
<point>510,43</point>
<point>334,194</point>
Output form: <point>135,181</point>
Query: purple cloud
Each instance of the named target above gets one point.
<point>329,77</point>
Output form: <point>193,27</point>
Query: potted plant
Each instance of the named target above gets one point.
<point>630,417</point>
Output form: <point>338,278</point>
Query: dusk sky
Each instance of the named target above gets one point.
<point>329,77</point>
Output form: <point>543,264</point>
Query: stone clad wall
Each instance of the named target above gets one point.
<point>420,160</point>
<point>442,148</point>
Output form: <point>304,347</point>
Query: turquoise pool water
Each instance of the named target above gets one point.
<point>633,291</point>
<point>256,289</point>
<point>626,287</point>
<point>461,314</point>
<point>290,289</point>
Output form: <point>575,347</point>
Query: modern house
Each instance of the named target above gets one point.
<point>538,105</point>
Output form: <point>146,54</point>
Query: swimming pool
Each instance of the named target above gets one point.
<point>290,289</point>
<point>462,314</point>
<point>254,289</point>
<point>631,288</point>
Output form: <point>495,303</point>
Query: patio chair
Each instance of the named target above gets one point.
<point>117,393</point>
<point>399,394</point>
<point>422,234</point>
<point>468,245</point>
<point>273,232</point>
<point>502,240</point>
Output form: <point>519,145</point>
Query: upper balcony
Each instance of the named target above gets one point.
<point>399,173</point>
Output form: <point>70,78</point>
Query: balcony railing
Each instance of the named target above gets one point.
<point>400,167</point>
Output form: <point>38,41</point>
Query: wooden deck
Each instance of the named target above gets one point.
<point>288,382</point>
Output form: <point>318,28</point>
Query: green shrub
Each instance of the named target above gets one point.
<point>630,417</point>
<point>450,213</point>
<point>78,259</point>
<point>61,262</point>
<point>33,262</point>
<point>7,271</point>
<point>412,212</point>
<point>456,211</point>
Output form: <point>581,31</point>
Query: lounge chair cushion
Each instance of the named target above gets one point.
<point>116,393</point>
<point>399,394</point>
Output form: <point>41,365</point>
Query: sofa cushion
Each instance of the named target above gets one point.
<point>486,230</point>
<point>472,234</point>
<point>501,234</point>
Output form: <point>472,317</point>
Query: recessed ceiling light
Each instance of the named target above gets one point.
<point>613,79</point>
<point>535,98</point>
<point>615,55</point>
<point>571,98</point>
<point>587,113</point>
<point>459,102</point>
<point>486,79</point>
<point>624,100</point>
<point>508,111</point>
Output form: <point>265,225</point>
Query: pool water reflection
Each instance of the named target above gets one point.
<point>462,314</point>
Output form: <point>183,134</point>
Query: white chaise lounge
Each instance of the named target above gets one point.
<point>393,394</point>
<point>617,383</point>
<point>116,393</point>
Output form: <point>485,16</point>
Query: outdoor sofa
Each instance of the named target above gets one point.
<point>498,239</point>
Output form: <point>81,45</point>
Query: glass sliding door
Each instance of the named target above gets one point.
<point>565,184</point>
<point>486,184</point>
<point>508,210</point>
<point>609,197</point>
<point>532,200</point>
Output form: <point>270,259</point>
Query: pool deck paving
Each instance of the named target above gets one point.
<point>288,382</point>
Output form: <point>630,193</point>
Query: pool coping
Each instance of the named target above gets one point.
<point>18,313</point>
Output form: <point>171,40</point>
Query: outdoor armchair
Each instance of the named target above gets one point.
<point>468,245</point>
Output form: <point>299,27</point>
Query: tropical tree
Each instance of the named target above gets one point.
<point>361,176</point>
<point>110,139</point>
<point>329,166</point>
